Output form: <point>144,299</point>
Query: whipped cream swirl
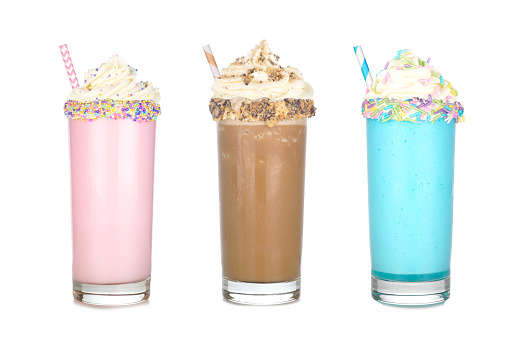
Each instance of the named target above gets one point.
<point>410,89</point>
<point>114,80</point>
<point>407,76</point>
<point>258,75</point>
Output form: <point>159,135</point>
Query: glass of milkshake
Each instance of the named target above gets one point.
<point>411,113</point>
<point>261,111</point>
<point>112,124</point>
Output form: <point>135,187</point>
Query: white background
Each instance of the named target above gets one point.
<point>164,40</point>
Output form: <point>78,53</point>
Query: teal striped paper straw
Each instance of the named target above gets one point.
<point>364,66</point>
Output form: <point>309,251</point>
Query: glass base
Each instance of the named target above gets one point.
<point>261,293</point>
<point>112,295</point>
<point>410,293</point>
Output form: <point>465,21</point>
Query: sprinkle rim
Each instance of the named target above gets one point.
<point>137,110</point>
<point>413,110</point>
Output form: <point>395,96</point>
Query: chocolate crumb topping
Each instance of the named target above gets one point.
<point>257,75</point>
<point>262,110</point>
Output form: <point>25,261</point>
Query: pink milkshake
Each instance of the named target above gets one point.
<point>112,139</point>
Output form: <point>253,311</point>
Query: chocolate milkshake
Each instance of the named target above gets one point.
<point>262,196</point>
<point>261,109</point>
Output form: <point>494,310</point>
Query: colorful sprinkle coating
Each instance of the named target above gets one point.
<point>137,110</point>
<point>413,110</point>
<point>440,104</point>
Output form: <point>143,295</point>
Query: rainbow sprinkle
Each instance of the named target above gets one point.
<point>137,110</point>
<point>416,109</point>
<point>413,110</point>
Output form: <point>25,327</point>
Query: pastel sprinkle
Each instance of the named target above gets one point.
<point>412,110</point>
<point>137,110</point>
<point>416,109</point>
<point>386,77</point>
<point>406,60</point>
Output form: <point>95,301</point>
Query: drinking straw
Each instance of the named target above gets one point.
<point>212,61</point>
<point>364,66</point>
<point>69,66</point>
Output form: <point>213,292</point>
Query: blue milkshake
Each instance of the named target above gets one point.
<point>411,122</point>
<point>410,178</point>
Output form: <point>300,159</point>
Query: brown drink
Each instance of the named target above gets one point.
<point>261,187</point>
<point>262,111</point>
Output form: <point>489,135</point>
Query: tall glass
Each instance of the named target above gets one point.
<point>112,175</point>
<point>410,179</point>
<point>261,185</point>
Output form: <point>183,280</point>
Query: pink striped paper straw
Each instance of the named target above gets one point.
<point>69,66</point>
<point>212,61</point>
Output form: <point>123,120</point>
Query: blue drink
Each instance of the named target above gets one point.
<point>410,182</point>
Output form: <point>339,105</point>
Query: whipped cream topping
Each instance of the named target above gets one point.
<point>407,76</point>
<point>410,89</point>
<point>114,80</point>
<point>258,75</point>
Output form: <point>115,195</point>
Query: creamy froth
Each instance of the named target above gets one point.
<point>258,75</point>
<point>114,80</point>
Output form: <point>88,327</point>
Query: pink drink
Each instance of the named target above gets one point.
<point>112,127</point>
<point>112,176</point>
